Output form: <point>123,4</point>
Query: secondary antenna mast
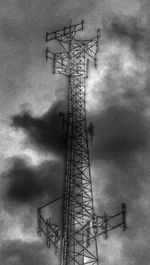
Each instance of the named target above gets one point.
<point>76,239</point>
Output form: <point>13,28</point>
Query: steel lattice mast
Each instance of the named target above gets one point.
<point>76,239</point>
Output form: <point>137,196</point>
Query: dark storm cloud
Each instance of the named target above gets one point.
<point>125,29</point>
<point>19,253</point>
<point>122,127</point>
<point>121,147</point>
<point>44,132</point>
<point>120,131</point>
<point>27,184</point>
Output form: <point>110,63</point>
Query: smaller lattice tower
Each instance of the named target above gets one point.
<point>76,239</point>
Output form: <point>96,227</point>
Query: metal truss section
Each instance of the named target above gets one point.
<point>78,197</point>
<point>77,237</point>
<point>51,231</point>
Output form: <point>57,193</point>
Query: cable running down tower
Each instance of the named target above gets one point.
<point>75,241</point>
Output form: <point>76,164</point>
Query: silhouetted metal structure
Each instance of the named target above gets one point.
<point>76,239</point>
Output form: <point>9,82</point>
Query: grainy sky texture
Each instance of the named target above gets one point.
<point>118,104</point>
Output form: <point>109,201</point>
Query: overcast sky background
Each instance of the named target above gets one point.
<point>118,104</point>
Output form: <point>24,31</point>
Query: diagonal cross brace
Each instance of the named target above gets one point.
<point>61,60</point>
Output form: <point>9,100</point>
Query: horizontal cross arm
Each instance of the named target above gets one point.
<point>65,31</point>
<point>103,224</point>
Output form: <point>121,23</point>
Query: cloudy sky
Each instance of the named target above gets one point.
<point>118,104</point>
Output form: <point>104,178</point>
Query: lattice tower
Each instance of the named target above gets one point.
<point>76,238</point>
